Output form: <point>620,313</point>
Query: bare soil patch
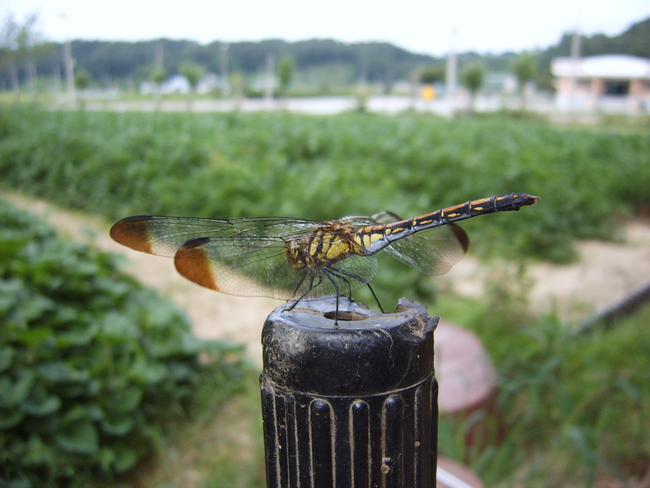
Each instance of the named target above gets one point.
<point>603,274</point>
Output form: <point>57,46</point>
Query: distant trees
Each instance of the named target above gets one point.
<point>193,73</point>
<point>82,82</point>
<point>318,62</point>
<point>524,66</point>
<point>158,76</point>
<point>472,77</point>
<point>432,74</point>
<point>21,44</point>
<point>8,54</point>
<point>82,79</point>
<point>286,67</point>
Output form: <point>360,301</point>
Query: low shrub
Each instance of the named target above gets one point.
<point>93,366</point>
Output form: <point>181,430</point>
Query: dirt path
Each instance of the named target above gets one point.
<point>604,273</point>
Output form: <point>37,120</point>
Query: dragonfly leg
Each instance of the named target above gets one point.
<point>295,290</point>
<point>329,273</point>
<point>310,287</point>
<point>346,275</point>
<point>343,276</point>
<point>375,297</point>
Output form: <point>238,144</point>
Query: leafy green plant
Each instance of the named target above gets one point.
<point>573,408</point>
<point>93,366</point>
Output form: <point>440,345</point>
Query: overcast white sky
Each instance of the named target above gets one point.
<point>419,26</point>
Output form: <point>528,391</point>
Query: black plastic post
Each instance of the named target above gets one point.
<point>353,406</point>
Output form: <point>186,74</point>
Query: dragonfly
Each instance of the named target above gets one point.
<point>295,259</point>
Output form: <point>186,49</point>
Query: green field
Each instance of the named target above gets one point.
<point>575,407</point>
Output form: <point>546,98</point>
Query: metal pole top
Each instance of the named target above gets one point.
<point>367,352</point>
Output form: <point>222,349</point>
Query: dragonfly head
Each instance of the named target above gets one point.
<point>296,255</point>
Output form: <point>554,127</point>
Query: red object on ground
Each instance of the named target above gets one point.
<point>465,373</point>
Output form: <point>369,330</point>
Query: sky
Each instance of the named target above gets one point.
<point>428,27</point>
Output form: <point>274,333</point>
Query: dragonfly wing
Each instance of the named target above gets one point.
<point>433,251</point>
<point>385,217</point>
<point>258,267</point>
<point>380,218</point>
<point>239,266</point>
<point>235,256</point>
<point>163,236</point>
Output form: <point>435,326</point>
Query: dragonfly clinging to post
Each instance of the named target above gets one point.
<point>295,259</point>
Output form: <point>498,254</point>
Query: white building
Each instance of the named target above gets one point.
<point>178,84</point>
<point>610,83</point>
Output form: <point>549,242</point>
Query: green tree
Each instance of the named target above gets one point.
<point>286,67</point>
<point>8,50</point>
<point>432,74</point>
<point>193,73</point>
<point>82,81</point>
<point>525,67</point>
<point>472,77</point>
<point>29,43</point>
<point>158,76</point>
<point>238,84</point>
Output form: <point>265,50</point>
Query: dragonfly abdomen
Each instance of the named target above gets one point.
<point>473,208</point>
<point>377,237</point>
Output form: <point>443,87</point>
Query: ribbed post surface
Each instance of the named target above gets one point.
<point>349,407</point>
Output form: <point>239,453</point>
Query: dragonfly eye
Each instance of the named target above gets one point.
<point>295,255</point>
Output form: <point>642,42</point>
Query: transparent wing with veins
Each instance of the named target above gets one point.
<point>433,251</point>
<point>244,257</point>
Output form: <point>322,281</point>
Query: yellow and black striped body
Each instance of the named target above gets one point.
<point>325,246</point>
<point>374,238</point>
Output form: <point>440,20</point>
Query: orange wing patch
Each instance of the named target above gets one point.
<point>133,232</point>
<point>461,236</point>
<point>192,261</point>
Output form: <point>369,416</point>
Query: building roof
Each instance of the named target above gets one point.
<point>619,66</point>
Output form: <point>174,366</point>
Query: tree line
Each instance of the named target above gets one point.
<point>24,53</point>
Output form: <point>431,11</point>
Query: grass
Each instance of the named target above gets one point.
<point>574,407</point>
<point>224,448</point>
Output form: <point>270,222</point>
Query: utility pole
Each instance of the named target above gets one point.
<point>450,75</point>
<point>225,75</point>
<point>158,59</point>
<point>69,72</point>
<point>56,87</point>
<point>68,63</point>
<point>270,79</point>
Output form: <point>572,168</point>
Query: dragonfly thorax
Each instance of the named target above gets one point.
<point>324,246</point>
